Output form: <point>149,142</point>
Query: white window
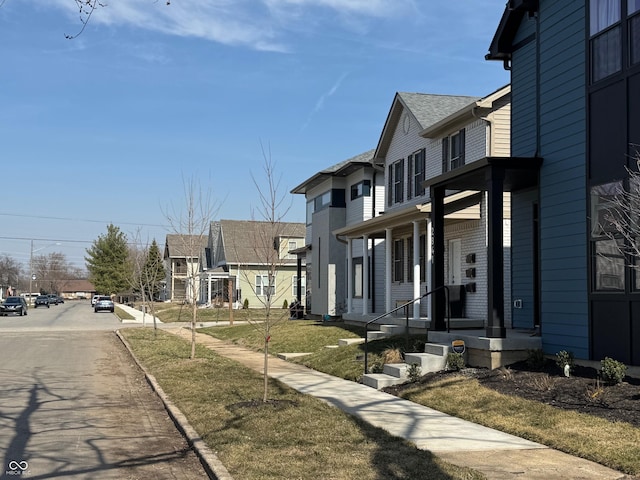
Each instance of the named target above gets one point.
<point>262,285</point>
<point>294,286</point>
<point>453,150</point>
<point>395,185</point>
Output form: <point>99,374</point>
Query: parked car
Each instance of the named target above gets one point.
<point>15,305</point>
<point>41,301</point>
<point>104,303</point>
<point>94,299</point>
<point>60,299</point>
<point>53,299</point>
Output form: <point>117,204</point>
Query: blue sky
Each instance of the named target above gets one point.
<point>103,128</point>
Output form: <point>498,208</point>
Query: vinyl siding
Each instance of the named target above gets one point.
<point>563,213</point>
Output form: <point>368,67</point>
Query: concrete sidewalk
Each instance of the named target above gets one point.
<point>496,454</point>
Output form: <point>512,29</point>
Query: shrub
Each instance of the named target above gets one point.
<point>245,304</point>
<point>612,371</point>
<point>413,372</point>
<point>455,361</point>
<point>535,359</point>
<point>392,355</point>
<point>565,358</point>
<point>285,305</point>
<point>376,365</point>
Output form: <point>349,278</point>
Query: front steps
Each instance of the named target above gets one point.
<point>433,359</point>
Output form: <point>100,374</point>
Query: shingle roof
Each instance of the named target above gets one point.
<point>426,108</point>
<point>76,285</point>
<point>343,168</point>
<point>247,241</point>
<point>178,246</point>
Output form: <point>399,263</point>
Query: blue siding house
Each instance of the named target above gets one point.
<point>575,80</point>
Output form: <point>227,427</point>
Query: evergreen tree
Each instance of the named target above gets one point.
<point>108,262</point>
<point>153,272</point>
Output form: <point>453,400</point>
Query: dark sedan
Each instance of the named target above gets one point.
<point>14,305</point>
<point>41,301</point>
<point>53,299</point>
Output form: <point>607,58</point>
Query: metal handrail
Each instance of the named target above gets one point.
<point>406,307</point>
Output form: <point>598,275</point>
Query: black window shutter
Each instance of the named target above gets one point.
<point>445,155</point>
<point>462,142</point>
<point>401,180</point>
<point>390,186</point>
<point>410,170</point>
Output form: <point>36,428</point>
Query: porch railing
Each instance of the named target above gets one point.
<point>406,312</point>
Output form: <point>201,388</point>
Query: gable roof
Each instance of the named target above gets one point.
<point>242,240</point>
<point>341,169</point>
<point>502,43</point>
<point>425,108</point>
<point>177,245</point>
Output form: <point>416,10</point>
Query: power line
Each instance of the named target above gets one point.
<point>89,220</point>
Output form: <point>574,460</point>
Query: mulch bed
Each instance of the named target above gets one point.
<point>581,391</point>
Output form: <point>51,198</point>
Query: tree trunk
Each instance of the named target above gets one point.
<point>266,369</point>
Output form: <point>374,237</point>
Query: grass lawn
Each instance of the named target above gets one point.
<point>295,436</point>
<point>616,445</point>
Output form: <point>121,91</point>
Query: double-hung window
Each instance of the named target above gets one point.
<point>294,286</point>
<point>416,174</point>
<point>395,186</point>
<point>262,285</point>
<point>453,149</point>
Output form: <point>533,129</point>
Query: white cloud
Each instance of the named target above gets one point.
<point>255,24</point>
<point>320,102</point>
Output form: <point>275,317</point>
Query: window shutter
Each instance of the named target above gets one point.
<point>401,180</point>
<point>445,155</point>
<point>462,142</point>
<point>390,186</point>
<point>422,155</point>
<point>410,170</point>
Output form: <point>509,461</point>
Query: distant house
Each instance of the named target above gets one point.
<point>239,254</point>
<point>182,256</point>
<point>76,289</point>
<point>348,192</point>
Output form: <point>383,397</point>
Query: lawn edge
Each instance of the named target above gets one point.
<point>209,460</point>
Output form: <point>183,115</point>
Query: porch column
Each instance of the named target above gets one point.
<point>416,269</point>
<point>365,275</point>
<point>388,248</point>
<point>209,288</point>
<point>429,262</point>
<point>438,300</point>
<point>349,275</point>
<point>495,254</point>
<point>299,280</point>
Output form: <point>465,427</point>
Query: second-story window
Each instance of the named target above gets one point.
<point>396,182</point>
<point>612,38</point>
<point>361,189</point>
<point>453,149</point>
<point>416,174</point>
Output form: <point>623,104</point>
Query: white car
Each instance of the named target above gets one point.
<point>94,299</point>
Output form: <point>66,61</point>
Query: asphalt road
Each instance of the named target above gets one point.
<point>74,405</point>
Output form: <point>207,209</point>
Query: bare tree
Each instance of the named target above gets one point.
<point>52,270</point>
<point>191,225</point>
<point>148,272</point>
<point>616,221</point>
<point>9,272</point>
<point>270,248</point>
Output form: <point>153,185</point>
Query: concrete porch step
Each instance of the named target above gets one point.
<point>380,380</point>
<point>343,342</point>
<point>433,359</point>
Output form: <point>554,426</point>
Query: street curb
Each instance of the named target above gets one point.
<point>209,460</point>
